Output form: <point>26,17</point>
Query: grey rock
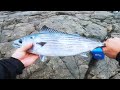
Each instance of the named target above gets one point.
<point>26,13</point>
<point>0,37</point>
<point>116,27</point>
<point>117,76</point>
<point>115,35</point>
<point>22,29</point>
<point>101,14</point>
<point>97,31</point>
<point>110,20</point>
<point>103,69</point>
<point>83,16</point>
<point>6,49</point>
<point>117,15</point>
<point>10,21</point>
<point>54,69</point>
<point>72,67</point>
<point>9,27</point>
<point>5,36</point>
<point>64,23</point>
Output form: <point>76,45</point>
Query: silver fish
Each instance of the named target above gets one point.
<point>50,42</point>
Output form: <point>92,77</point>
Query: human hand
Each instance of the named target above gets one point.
<point>25,57</point>
<point>112,47</point>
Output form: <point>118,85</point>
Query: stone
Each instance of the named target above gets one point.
<point>83,16</point>
<point>103,69</point>
<point>5,36</point>
<point>101,15</point>
<point>117,76</point>
<point>6,49</point>
<point>9,27</point>
<point>95,31</point>
<point>64,23</point>
<point>116,27</point>
<point>22,29</point>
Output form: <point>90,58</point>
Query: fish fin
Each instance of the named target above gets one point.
<point>42,58</point>
<point>84,54</point>
<point>46,29</point>
<point>41,43</point>
<point>76,34</point>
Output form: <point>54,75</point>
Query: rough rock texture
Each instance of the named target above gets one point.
<point>95,24</point>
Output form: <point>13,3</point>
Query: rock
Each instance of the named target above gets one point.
<point>26,13</point>
<point>9,23</point>
<point>9,27</point>
<point>0,37</point>
<point>6,34</point>
<point>22,29</point>
<point>6,49</point>
<point>103,69</point>
<point>101,15</point>
<point>117,15</point>
<point>110,20</point>
<point>64,23</point>
<point>72,66</point>
<point>96,31</point>
<point>54,69</point>
<point>83,16</point>
<point>116,27</point>
<point>115,35</point>
<point>117,76</point>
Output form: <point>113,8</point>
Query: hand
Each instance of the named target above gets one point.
<point>112,47</point>
<point>25,57</point>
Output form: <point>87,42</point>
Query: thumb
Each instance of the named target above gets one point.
<point>26,47</point>
<point>104,49</point>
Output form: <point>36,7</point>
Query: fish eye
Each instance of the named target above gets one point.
<point>20,41</point>
<point>31,37</point>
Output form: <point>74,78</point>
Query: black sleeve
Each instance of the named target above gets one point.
<point>10,68</point>
<point>118,57</point>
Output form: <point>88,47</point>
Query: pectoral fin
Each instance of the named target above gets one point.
<point>42,58</point>
<point>84,54</point>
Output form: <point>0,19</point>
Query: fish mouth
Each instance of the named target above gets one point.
<point>16,45</point>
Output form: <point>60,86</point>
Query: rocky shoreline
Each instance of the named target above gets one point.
<point>95,24</point>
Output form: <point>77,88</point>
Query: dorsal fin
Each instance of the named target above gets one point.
<point>46,29</point>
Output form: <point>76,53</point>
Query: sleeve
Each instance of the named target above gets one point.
<point>10,68</point>
<point>118,57</point>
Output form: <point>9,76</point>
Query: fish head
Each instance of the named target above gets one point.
<point>23,41</point>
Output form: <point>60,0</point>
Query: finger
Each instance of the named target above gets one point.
<point>30,60</point>
<point>104,43</point>
<point>104,49</point>
<point>26,47</point>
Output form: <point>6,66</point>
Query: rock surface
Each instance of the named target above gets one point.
<point>95,24</point>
